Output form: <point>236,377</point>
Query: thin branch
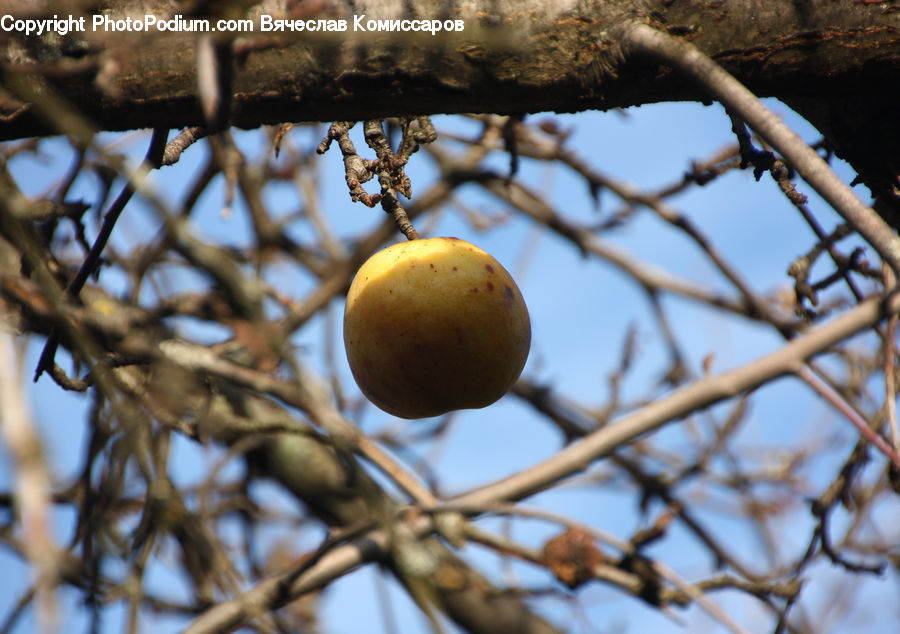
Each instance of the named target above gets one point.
<point>809,165</point>
<point>32,480</point>
<point>391,175</point>
<point>890,374</point>
<point>701,394</point>
<point>782,175</point>
<point>181,142</point>
<point>839,403</point>
<point>648,276</point>
<point>152,160</point>
<point>608,573</point>
<point>274,591</point>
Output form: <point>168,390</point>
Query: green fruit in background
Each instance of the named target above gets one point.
<point>434,325</point>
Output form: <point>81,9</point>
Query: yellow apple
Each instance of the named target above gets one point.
<point>434,325</point>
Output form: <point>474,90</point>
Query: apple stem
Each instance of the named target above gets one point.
<point>392,206</point>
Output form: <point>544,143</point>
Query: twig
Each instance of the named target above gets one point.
<point>275,590</point>
<point>342,271</point>
<point>809,165</point>
<point>355,170</point>
<point>700,394</point>
<point>32,480</point>
<point>392,205</point>
<point>391,176</point>
<point>782,175</point>
<point>152,160</point>
<point>822,531</point>
<point>890,386</point>
<point>800,267</point>
<point>387,165</point>
<point>651,278</point>
<point>565,416</point>
<point>821,507</point>
<point>629,581</point>
<point>683,586</point>
<point>181,142</point>
<point>303,394</point>
<point>838,402</point>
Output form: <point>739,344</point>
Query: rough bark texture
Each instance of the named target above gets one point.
<point>837,63</point>
<point>512,57</point>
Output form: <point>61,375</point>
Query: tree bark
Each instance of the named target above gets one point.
<point>512,57</point>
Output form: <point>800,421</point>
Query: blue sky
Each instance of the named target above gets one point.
<point>580,311</point>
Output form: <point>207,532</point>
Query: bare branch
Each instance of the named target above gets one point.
<point>797,153</point>
<point>700,394</point>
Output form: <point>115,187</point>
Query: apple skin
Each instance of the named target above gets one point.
<point>434,325</point>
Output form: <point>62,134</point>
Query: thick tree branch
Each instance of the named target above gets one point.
<point>558,56</point>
